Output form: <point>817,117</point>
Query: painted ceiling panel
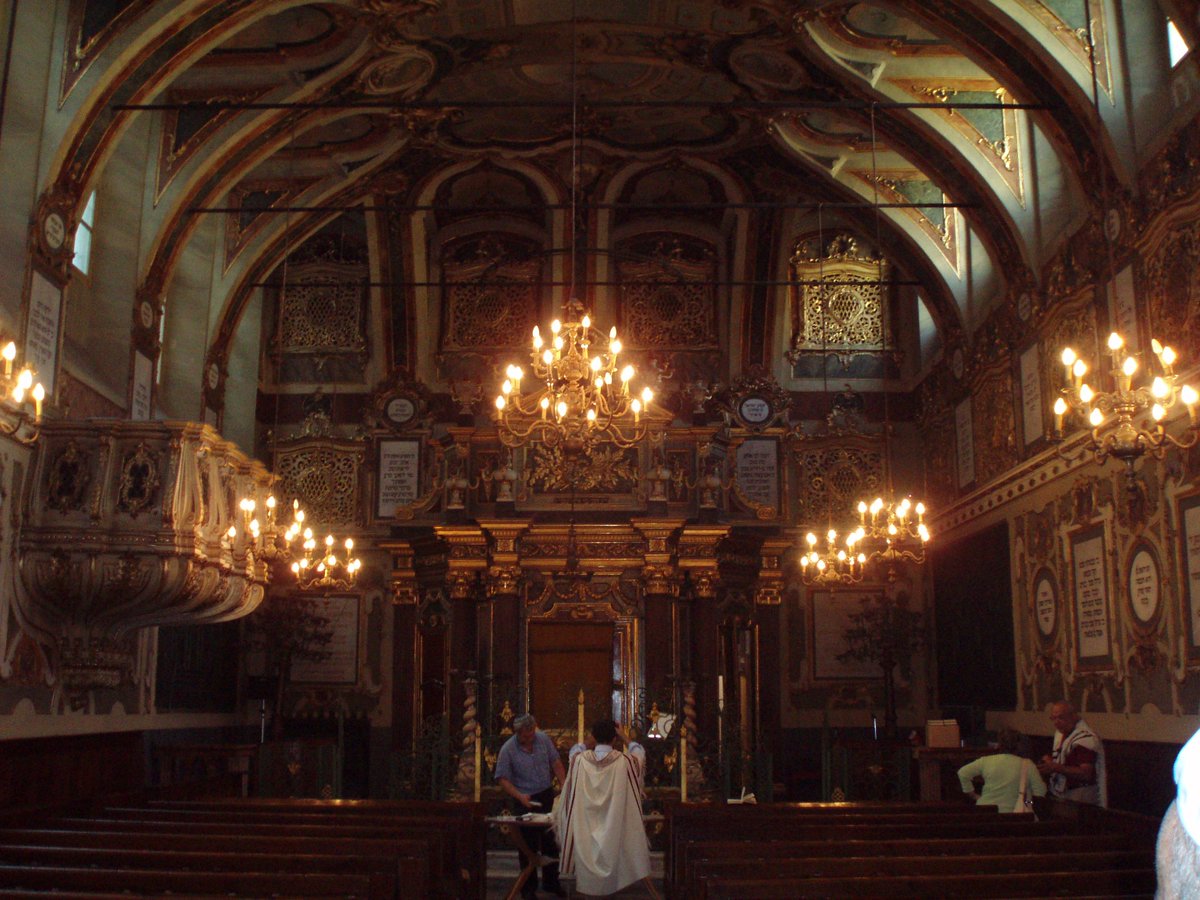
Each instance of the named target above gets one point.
<point>800,105</point>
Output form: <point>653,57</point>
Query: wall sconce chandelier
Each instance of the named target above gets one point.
<point>583,396</point>
<point>279,545</point>
<point>1111,414</point>
<point>17,391</point>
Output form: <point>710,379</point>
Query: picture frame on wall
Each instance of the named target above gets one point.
<point>340,664</point>
<point>1090,594</point>
<point>831,617</point>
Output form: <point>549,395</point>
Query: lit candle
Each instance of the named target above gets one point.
<point>580,713</point>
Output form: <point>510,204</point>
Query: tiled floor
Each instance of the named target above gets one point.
<point>502,872</point>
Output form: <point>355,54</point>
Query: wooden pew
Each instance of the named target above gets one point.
<point>380,869</point>
<point>465,822</point>
<point>695,853</point>
<point>439,845</point>
<point>238,884</point>
<point>779,829</point>
<point>413,876</point>
<point>1064,883</point>
<point>797,868</point>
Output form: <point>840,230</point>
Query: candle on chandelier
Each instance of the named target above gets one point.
<point>1189,397</point>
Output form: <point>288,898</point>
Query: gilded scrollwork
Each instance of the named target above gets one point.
<point>605,468</point>
<point>832,476</point>
<point>139,482</point>
<point>68,479</point>
<point>667,295</point>
<point>995,442</point>
<point>325,477</point>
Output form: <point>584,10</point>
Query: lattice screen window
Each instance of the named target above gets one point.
<point>838,299</point>
<point>491,294</point>
<point>321,312</point>
<point>833,478</point>
<point>667,293</point>
<point>324,478</point>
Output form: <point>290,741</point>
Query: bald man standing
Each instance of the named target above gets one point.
<point>1074,770</point>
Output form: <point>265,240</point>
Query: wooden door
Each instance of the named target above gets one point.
<point>565,657</point>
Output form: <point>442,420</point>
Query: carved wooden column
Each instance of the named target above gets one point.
<point>405,598</point>
<point>502,589</point>
<point>660,593</point>
<point>699,619</point>
<point>467,561</point>
<point>768,609</point>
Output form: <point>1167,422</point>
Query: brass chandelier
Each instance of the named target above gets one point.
<point>839,562</point>
<point>582,395</point>
<point>892,530</point>
<point>16,392</point>
<point>295,547</point>
<point>1117,417</point>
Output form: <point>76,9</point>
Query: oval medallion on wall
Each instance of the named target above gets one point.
<point>1143,580</point>
<point>1045,603</point>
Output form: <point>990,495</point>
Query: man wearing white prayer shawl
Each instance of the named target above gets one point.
<point>1074,769</point>
<point>598,819</point>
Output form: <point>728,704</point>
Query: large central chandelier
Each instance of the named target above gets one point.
<point>582,395</point>
<point>1112,414</point>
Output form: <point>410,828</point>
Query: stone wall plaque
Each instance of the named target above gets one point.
<point>1122,306</point>
<point>758,473</point>
<point>143,387</point>
<point>1189,536</point>
<point>1031,394</point>
<point>1088,561</point>
<point>42,331</point>
<point>399,477</point>
<point>965,434</point>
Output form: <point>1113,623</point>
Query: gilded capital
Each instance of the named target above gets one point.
<point>503,581</point>
<point>660,580</point>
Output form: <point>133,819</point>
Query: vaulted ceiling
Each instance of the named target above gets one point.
<point>963,139</point>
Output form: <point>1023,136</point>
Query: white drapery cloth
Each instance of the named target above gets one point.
<point>598,821</point>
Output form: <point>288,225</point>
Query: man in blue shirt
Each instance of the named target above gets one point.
<point>526,769</point>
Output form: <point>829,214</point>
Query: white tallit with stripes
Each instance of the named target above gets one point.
<point>598,821</point>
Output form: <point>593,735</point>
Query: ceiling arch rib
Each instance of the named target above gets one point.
<point>1016,42</point>
<point>412,84</point>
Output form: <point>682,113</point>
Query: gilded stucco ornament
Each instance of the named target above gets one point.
<point>152,540</point>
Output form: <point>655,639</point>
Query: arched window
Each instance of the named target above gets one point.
<point>82,259</point>
<point>1177,45</point>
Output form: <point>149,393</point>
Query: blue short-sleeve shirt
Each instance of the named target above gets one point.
<point>529,771</point>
